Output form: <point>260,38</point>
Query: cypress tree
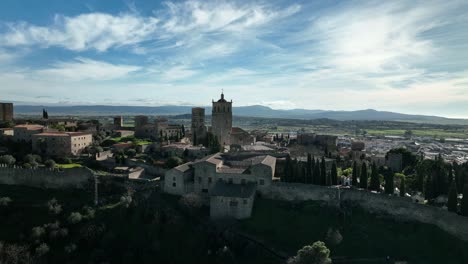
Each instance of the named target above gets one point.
<point>312,171</point>
<point>452,202</point>
<point>375,181</point>
<point>308,176</point>
<point>389,184</point>
<point>450,175</point>
<point>428,188</point>
<point>354,177</point>
<point>334,174</point>
<point>402,187</point>
<point>317,173</point>
<point>464,201</point>
<point>323,172</point>
<point>363,178</point>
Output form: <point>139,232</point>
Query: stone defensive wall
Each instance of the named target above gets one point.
<point>46,178</point>
<point>398,208</point>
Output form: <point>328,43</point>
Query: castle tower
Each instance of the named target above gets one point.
<point>141,121</point>
<point>6,111</point>
<point>198,127</point>
<point>221,120</point>
<point>118,121</point>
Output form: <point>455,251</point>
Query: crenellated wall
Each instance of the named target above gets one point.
<point>397,207</point>
<point>45,178</point>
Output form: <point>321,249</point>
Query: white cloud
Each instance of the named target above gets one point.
<point>100,31</point>
<point>87,31</point>
<point>86,69</point>
<point>175,73</point>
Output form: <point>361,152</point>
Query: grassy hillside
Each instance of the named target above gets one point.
<point>288,226</point>
<point>155,228</point>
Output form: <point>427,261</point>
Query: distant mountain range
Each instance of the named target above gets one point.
<point>247,111</point>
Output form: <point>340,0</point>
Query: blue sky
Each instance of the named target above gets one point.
<point>403,56</point>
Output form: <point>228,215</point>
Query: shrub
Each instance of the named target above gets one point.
<point>316,253</point>
<point>42,249</point>
<point>126,200</point>
<point>88,212</point>
<point>5,201</point>
<point>75,217</point>
<point>38,232</point>
<point>54,206</point>
<point>7,159</point>
<point>191,201</point>
<point>334,236</point>
<point>50,163</point>
<point>70,248</point>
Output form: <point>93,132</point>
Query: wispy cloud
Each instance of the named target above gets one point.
<point>86,69</point>
<point>97,31</point>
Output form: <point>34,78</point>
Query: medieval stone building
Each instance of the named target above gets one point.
<point>198,127</point>
<point>221,120</point>
<point>6,112</point>
<point>228,181</point>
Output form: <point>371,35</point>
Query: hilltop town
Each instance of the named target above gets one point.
<point>231,170</point>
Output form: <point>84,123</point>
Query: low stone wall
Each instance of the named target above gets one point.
<point>397,207</point>
<point>46,178</point>
<point>149,169</point>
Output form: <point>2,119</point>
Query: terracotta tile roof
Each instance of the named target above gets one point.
<point>30,127</point>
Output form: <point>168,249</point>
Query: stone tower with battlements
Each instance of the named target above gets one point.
<point>221,120</point>
<point>198,126</point>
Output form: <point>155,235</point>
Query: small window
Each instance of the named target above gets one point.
<point>205,190</point>
<point>174,184</point>
<point>230,180</point>
<point>262,182</point>
<point>243,181</point>
<point>233,203</point>
<point>209,180</point>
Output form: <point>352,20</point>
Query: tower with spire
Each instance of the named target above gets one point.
<point>221,120</point>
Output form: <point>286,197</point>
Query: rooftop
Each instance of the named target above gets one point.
<point>63,134</point>
<point>30,127</point>
<point>184,167</point>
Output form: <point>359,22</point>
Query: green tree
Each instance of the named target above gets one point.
<point>355,175</point>
<point>363,178</point>
<point>452,202</point>
<point>464,201</point>
<point>375,180</point>
<point>317,253</point>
